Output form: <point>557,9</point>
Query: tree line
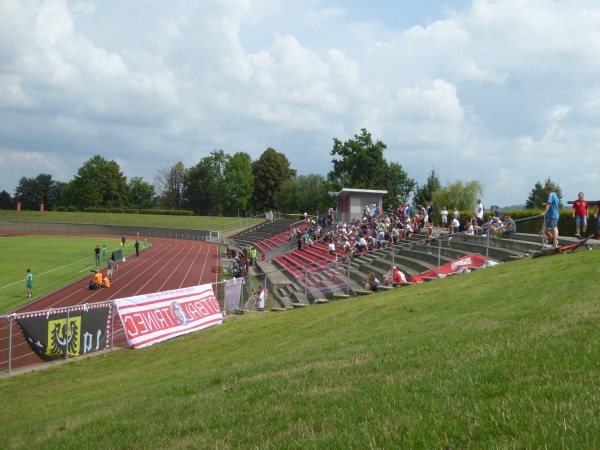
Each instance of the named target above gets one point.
<point>224,184</point>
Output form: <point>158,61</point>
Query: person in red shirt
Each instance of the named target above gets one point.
<point>580,213</point>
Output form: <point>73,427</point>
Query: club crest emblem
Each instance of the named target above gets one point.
<point>64,336</point>
<point>178,314</point>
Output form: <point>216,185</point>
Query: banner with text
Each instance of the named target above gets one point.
<point>151,318</point>
<point>78,330</point>
<point>461,265</point>
<point>233,293</point>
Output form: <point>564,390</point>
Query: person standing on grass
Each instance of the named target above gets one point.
<point>137,247</point>
<point>104,253</point>
<point>97,252</point>
<point>29,283</point>
<point>580,213</point>
<point>122,241</point>
<point>551,213</point>
<point>262,298</point>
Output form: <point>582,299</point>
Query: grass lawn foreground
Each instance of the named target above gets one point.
<point>506,357</point>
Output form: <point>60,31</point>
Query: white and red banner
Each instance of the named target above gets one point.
<point>152,318</point>
<point>472,261</point>
<point>233,293</point>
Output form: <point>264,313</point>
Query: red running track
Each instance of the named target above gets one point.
<point>168,264</point>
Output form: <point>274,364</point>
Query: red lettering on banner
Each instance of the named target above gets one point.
<point>200,306</point>
<point>140,321</point>
<point>192,311</point>
<point>162,315</point>
<point>130,326</point>
<point>149,319</point>
<point>215,304</point>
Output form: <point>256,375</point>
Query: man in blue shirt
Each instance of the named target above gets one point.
<point>551,213</point>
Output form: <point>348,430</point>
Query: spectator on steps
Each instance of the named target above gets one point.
<point>510,227</point>
<point>394,277</point>
<point>331,247</point>
<point>429,235</point>
<point>372,283</point>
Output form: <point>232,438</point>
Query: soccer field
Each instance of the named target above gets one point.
<point>55,261</point>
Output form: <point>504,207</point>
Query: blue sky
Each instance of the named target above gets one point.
<point>506,92</point>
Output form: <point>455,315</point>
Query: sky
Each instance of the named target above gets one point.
<point>505,92</point>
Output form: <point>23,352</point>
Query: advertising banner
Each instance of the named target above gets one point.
<point>472,261</point>
<point>79,330</point>
<point>233,293</point>
<point>151,318</point>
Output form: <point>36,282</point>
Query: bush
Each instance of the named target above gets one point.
<point>95,210</point>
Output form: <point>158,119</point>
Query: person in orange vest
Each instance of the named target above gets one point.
<point>96,280</point>
<point>106,282</point>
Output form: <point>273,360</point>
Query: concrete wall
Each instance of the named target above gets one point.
<point>358,202</point>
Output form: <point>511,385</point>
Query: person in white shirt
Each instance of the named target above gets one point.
<point>479,212</point>
<point>331,247</point>
<point>454,226</point>
<point>362,244</point>
<point>444,215</point>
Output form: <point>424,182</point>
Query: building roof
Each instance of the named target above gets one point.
<point>346,192</point>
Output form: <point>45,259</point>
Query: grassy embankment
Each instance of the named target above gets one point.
<point>507,357</point>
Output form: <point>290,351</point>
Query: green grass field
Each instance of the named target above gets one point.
<point>507,357</point>
<point>55,262</point>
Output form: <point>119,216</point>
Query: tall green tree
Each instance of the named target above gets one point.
<point>304,193</point>
<point>141,193</point>
<point>270,171</point>
<point>6,201</point>
<point>99,182</point>
<point>33,191</point>
<point>424,194</point>
<point>201,183</point>
<point>399,185</point>
<point>461,195</point>
<point>169,182</point>
<point>538,196</point>
<point>237,185</point>
<point>358,163</point>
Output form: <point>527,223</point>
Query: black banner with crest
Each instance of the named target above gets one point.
<point>72,331</point>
